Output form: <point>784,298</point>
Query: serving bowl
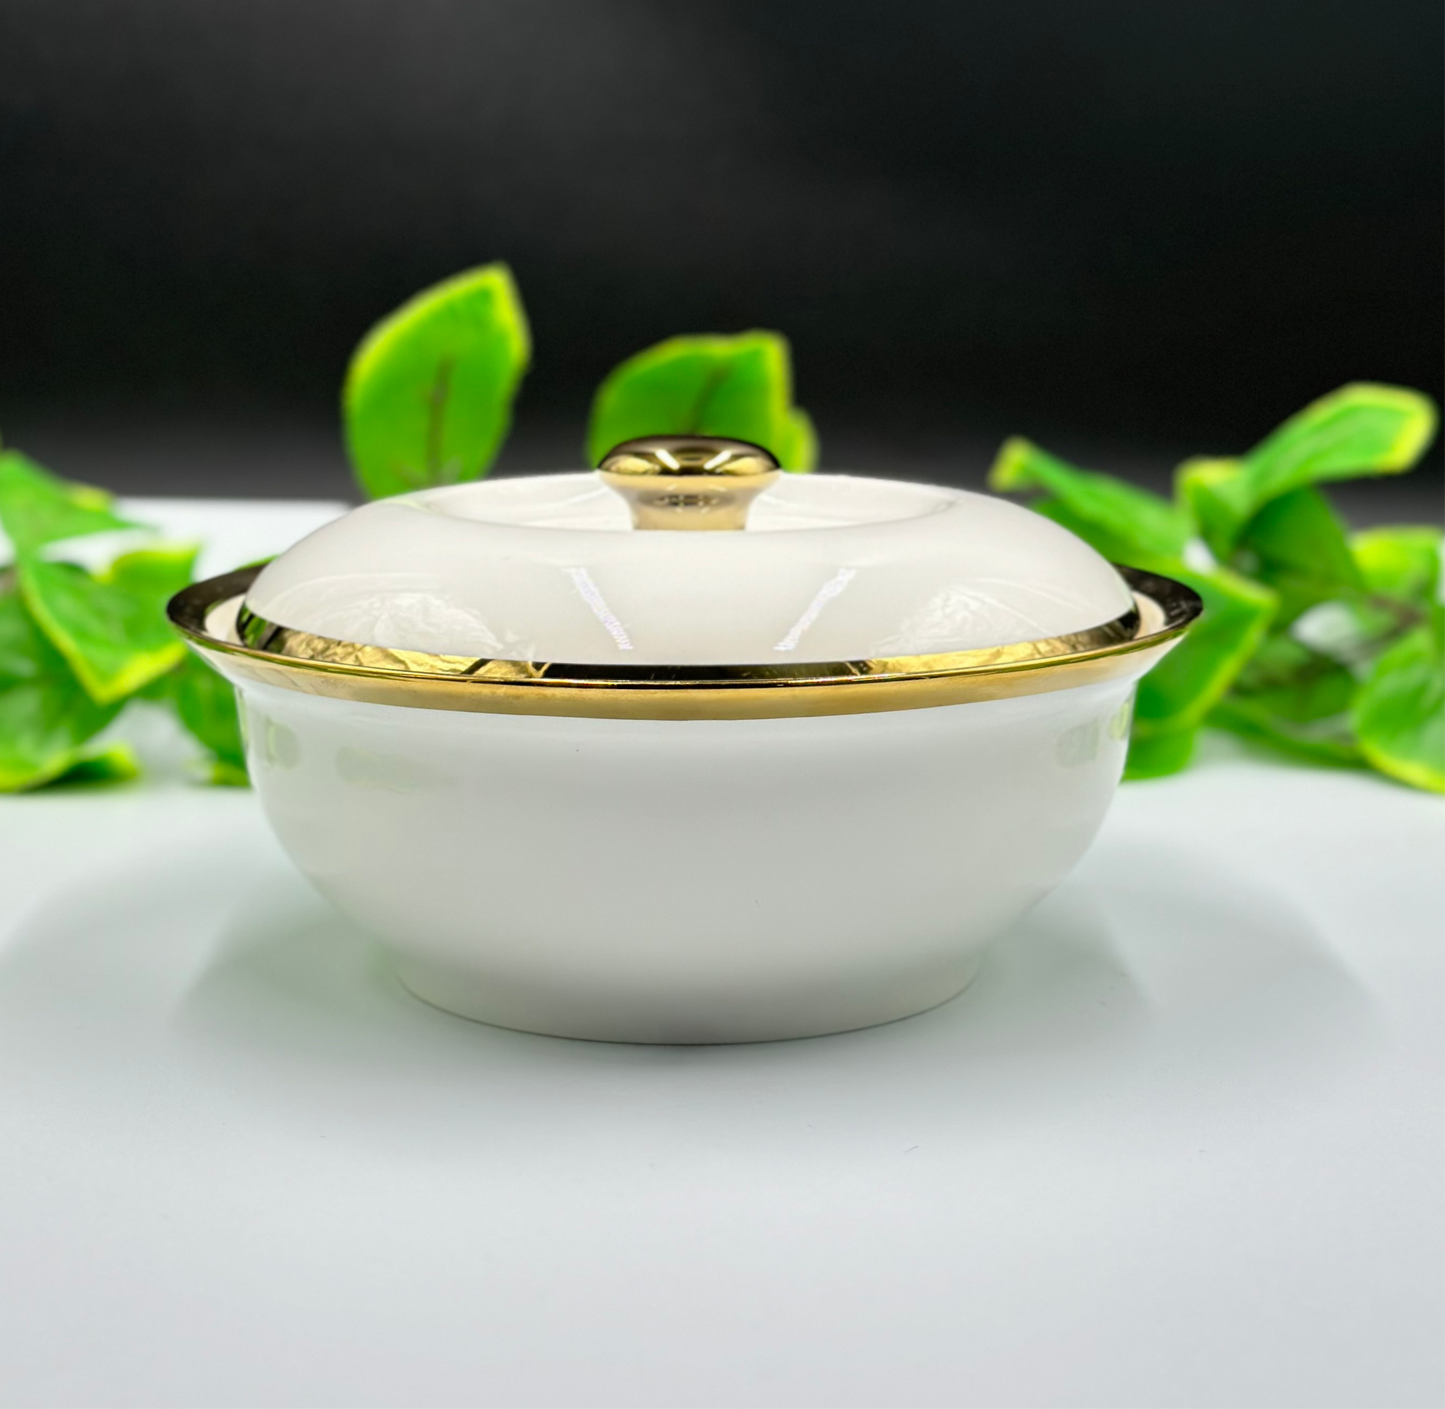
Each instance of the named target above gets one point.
<point>792,779</point>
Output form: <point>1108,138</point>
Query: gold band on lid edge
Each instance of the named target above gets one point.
<point>422,680</point>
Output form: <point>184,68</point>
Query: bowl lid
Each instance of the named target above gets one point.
<point>628,567</point>
<point>687,579</point>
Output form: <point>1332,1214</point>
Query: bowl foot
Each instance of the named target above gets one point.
<point>693,1019</point>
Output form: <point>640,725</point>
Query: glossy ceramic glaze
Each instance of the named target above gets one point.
<point>687,881</point>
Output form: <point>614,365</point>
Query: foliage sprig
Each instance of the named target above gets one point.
<point>1325,644</point>
<point>77,644</point>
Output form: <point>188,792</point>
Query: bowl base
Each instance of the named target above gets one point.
<point>702,1019</point>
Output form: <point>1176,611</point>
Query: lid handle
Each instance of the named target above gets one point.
<point>688,481</point>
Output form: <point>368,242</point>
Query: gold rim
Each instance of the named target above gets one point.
<point>318,665</point>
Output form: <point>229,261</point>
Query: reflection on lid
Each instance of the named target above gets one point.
<point>587,590</point>
<point>833,587</point>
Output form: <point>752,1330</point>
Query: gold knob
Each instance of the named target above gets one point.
<point>688,481</point>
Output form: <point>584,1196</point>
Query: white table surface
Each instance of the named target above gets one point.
<point>1180,1143</point>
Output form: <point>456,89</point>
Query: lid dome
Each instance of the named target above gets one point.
<point>560,568</point>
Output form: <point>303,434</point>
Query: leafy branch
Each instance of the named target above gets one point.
<point>1323,644</point>
<point>76,646</point>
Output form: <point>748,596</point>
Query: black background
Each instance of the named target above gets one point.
<point>1133,230</point>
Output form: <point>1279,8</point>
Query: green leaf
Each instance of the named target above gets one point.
<point>114,636</point>
<point>1364,428</point>
<point>1199,491</point>
<point>155,573</point>
<point>115,764</point>
<point>428,394</point>
<point>1286,678</point>
<point>1328,743</point>
<point>206,704</point>
<point>711,384</point>
<point>46,718</point>
<point>1193,677</point>
<point>20,656</point>
<point>1292,698</point>
<point>1399,713</point>
<point>37,507</point>
<point>1401,563</point>
<point>1157,755</point>
<point>1399,572</point>
<point>24,651</point>
<point>798,450</point>
<point>1138,527</point>
<point>1185,685</point>
<point>1118,548</point>
<point>1297,545</point>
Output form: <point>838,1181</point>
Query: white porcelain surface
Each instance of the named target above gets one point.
<point>831,567</point>
<point>1179,1143</point>
<point>702,881</point>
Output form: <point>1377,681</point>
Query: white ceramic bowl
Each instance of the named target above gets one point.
<point>685,855</point>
